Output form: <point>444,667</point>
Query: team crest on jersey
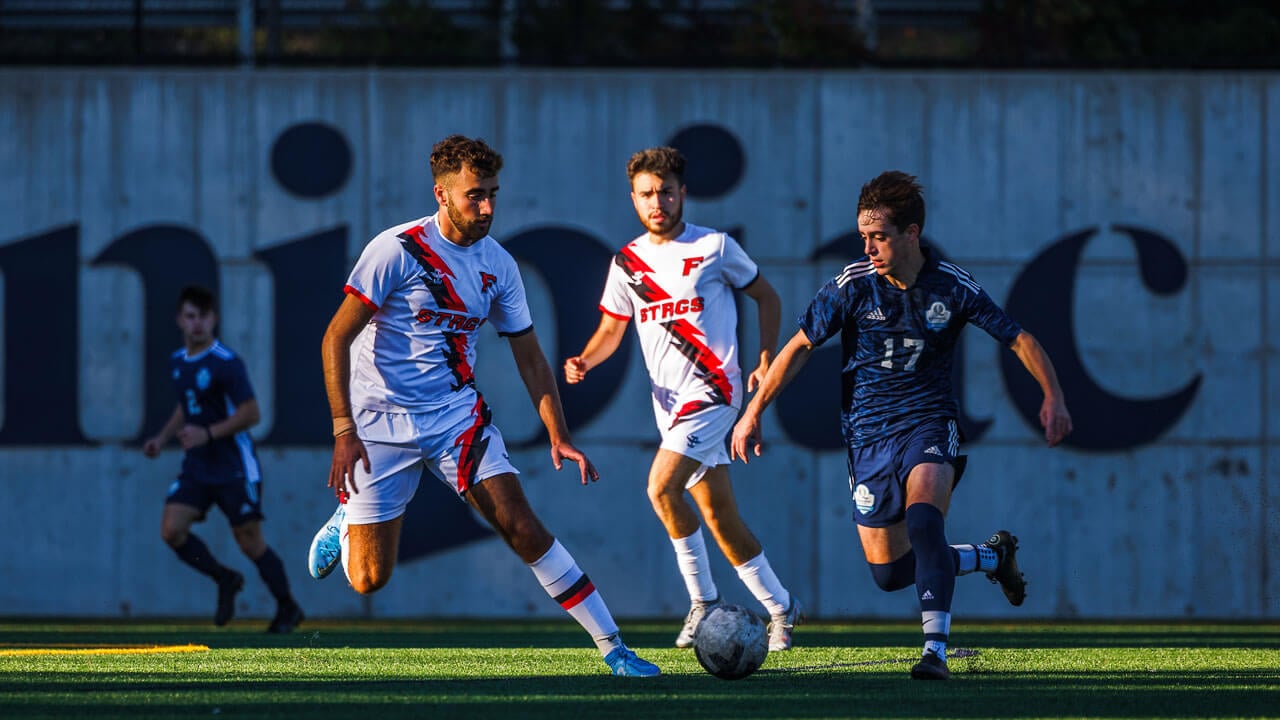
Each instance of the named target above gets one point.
<point>202,378</point>
<point>864,500</point>
<point>487,281</point>
<point>937,316</point>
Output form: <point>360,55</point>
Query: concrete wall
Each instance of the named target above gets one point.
<point>1129,221</point>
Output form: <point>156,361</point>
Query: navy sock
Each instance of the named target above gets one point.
<point>935,563</point>
<point>196,554</point>
<point>897,574</point>
<point>272,572</point>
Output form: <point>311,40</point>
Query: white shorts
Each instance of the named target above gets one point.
<point>702,436</point>
<point>457,444</point>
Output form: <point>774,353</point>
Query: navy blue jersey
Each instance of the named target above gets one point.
<point>210,386</point>
<point>898,345</point>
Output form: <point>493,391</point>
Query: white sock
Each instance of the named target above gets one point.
<point>936,623</point>
<point>695,567</point>
<point>976,557</point>
<point>560,576</point>
<point>758,576</point>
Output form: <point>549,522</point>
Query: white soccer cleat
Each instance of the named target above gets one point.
<point>780,626</point>
<point>697,611</point>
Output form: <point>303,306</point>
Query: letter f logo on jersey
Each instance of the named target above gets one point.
<point>487,281</point>
<point>690,263</point>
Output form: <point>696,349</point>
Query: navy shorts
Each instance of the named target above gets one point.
<point>878,472</point>
<point>240,500</point>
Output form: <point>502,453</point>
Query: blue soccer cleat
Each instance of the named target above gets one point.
<point>326,546</point>
<point>625,663</point>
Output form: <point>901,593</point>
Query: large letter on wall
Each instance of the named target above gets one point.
<point>42,339</point>
<point>574,266</point>
<point>168,258</point>
<point>1042,300</point>
<point>307,274</point>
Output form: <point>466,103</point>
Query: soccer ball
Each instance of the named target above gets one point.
<point>730,642</point>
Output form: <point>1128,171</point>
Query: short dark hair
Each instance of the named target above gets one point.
<point>455,152</point>
<point>658,161</point>
<point>898,194</point>
<point>200,297</point>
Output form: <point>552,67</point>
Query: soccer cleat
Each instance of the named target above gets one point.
<point>625,663</point>
<point>780,626</point>
<point>287,618</point>
<point>1006,573</point>
<point>930,667</point>
<point>228,588</point>
<point>697,611</point>
<point>326,546</point>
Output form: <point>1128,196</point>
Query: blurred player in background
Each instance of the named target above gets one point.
<point>901,309</point>
<point>405,401</point>
<point>677,280</point>
<point>216,407</point>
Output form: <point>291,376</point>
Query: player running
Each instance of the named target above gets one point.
<point>216,407</point>
<point>901,310</point>
<point>405,397</point>
<point>677,281</point>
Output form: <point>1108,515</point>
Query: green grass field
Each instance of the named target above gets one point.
<point>380,670</point>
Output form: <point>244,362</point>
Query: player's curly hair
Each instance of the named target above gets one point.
<point>657,161</point>
<point>898,194</point>
<point>455,152</point>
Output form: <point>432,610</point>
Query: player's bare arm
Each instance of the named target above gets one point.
<point>747,432</point>
<point>603,343</point>
<point>246,415</point>
<point>769,314</point>
<point>1053,410</point>
<point>335,350</point>
<point>151,448</point>
<point>538,379</point>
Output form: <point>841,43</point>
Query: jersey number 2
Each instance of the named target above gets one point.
<point>193,407</point>
<point>915,345</point>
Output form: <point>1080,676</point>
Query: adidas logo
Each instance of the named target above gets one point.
<point>875,314</point>
<point>928,595</point>
<point>933,450</point>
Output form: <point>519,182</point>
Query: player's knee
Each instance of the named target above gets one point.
<point>367,583</point>
<point>174,537</point>
<point>663,496</point>
<point>895,575</point>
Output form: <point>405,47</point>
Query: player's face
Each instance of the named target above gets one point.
<point>197,327</point>
<point>886,246</point>
<point>468,201</point>
<point>659,202</point>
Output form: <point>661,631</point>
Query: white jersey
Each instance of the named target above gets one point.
<point>430,298</point>
<point>680,294</point>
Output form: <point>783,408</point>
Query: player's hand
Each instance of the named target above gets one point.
<point>1055,419</point>
<point>566,451</point>
<point>151,448</point>
<point>347,449</point>
<point>575,368</point>
<point>746,434</point>
<point>193,436</point>
<point>757,376</point>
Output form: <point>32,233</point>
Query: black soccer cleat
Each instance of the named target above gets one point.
<point>1007,574</point>
<point>228,588</point>
<point>287,618</point>
<point>930,667</point>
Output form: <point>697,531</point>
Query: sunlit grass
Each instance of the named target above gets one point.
<point>378,670</point>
